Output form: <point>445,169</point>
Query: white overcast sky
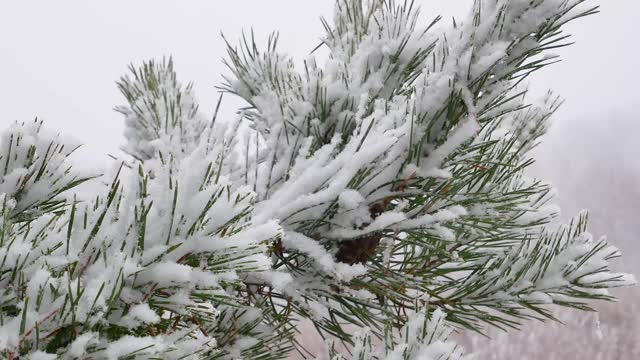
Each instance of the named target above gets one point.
<point>59,61</point>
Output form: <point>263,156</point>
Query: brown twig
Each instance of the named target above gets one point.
<point>146,296</point>
<point>175,323</point>
<point>85,266</point>
<point>183,258</point>
<point>30,331</point>
<point>151,331</point>
<point>195,320</point>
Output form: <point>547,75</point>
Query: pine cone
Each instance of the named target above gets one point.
<point>360,250</point>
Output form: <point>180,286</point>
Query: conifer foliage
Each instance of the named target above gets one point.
<point>380,192</point>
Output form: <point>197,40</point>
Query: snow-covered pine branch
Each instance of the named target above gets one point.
<point>157,265</point>
<point>161,114</point>
<point>420,338</point>
<point>404,159</point>
<point>380,188</point>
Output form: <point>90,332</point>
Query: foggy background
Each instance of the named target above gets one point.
<point>59,61</point>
